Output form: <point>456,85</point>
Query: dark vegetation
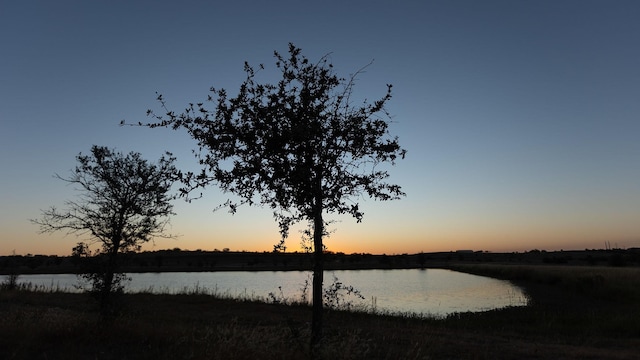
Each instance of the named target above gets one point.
<point>576,312</point>
<point>183,260</point>
<point>123,202</point>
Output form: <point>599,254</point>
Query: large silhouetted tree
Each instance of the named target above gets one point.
<point>299,146</point>
<point>124,201</point>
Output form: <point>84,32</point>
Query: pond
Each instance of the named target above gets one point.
<point>430,292</point>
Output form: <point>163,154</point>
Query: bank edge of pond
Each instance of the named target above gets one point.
<point>615,284</point>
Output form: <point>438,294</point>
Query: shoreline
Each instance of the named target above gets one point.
<point>208,261</point>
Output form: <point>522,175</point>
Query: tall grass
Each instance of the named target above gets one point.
<point>605,283</point>
<point>10,285</point>
<point>178,326</point>
<point>569,302</point>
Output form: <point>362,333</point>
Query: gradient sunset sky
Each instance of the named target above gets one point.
<point>521,118</point>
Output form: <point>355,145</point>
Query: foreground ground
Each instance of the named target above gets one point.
<point>576,313</point>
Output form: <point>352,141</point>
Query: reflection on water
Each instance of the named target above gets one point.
<point>435,292</point>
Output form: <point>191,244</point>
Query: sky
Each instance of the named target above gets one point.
<point>521,118</point>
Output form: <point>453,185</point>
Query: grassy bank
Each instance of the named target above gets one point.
<point>576,313</point>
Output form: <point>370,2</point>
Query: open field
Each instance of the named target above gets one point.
<point>576,313</point>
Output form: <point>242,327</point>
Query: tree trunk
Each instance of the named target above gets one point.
<point>106,295</point>
<point>318,270</point>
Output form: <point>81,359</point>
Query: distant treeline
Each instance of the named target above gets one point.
<point>183,260</point>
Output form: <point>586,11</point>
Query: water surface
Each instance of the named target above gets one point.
<point>435,292</point>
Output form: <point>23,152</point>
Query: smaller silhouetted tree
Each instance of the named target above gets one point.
<point>123,202</point>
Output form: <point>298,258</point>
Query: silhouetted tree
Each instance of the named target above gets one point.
<point>299,146</point>
<point>124,202</point>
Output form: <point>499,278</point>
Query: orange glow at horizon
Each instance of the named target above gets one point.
<point>349,242</point>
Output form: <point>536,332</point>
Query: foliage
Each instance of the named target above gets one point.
<point>10,283</point>
<point>282,144</point>
<point>124,201</point>
<point>94,268</point>
<point>299,147</point>
<point>336,296</point>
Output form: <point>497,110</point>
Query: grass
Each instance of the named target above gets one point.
<point>576,313</point>
<point>621,284</point>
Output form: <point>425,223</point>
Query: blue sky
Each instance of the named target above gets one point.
<point>521,118</point>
